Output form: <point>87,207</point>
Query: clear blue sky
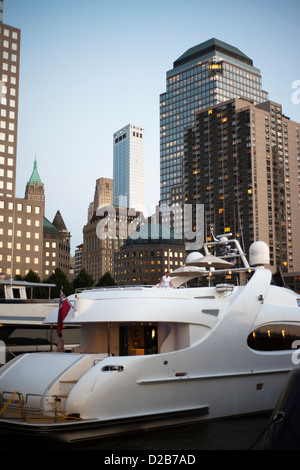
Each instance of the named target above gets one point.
<point>90,67</point>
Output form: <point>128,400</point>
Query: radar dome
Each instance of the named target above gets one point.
<point>194,256</point>
<point>259,254</point>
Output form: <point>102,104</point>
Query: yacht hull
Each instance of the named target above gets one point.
<point>72,432</point>
<point>221,402</point>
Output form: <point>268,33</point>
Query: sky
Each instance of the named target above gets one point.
<point>90,67</point>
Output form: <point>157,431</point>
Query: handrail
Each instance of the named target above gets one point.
<point>79,290</point>
<point>24,408</point>
<point>8,402</point>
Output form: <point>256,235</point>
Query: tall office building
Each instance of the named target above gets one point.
<point>103,195</point>
<point>242,161</point>
<point>203,76</point>
<point>103,192</point>
<point>9,97</point>
<point>21,219</point>
<point>9,93</point>
<point>128,167</point>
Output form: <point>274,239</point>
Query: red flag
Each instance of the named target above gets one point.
<point>63,310</point>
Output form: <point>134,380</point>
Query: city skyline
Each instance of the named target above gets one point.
<point>61,111</point>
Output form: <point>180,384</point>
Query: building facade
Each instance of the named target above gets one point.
<point>103,235</point>
<point>28,228</point>
<point>242,161</point>
<point>128,167</point>
<point>103,195</point>
<point>9,100</point>
<point>56,246</point>
<point>143,260</point>
<point>203,76</point>
<point>21,230</point>
<point>78,259</point>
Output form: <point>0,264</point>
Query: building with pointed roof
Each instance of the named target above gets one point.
<point>59,223</point>
<point>35,177</point>
<point>36,243</point>
<point>24,224</point>
<point>56,247</point>
<point>35,186</point>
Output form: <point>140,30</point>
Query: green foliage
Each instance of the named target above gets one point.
<point>31,276</point>
<point>59,278</point>
<point>84,279</point>
<point>106,280</point>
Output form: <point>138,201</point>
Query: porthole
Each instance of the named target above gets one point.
<point>112,368</point>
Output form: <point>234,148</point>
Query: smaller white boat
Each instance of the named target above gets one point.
<point>22,327</point>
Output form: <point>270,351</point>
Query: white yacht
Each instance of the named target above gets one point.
<point>151,357</point>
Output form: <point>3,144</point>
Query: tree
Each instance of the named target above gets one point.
<point>31,276</point>
<point>106,280</point>
<point>84,279</point>
<point>59,278</point>
<point>36,292</point>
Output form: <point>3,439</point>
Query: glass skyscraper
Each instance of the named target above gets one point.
<point>128,167</point>
<point>203,76</point>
